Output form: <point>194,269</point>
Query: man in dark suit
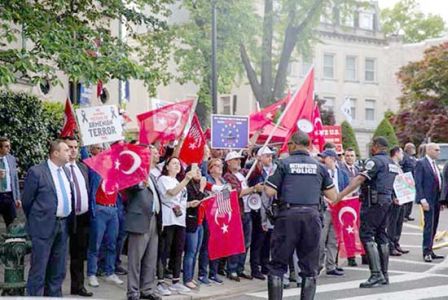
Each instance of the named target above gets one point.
<point>47,202</point>
<point>79,239</point>
<point>408,165</point>
<point>9,183</point>
<point>428,184</point>
<point>143,224</point>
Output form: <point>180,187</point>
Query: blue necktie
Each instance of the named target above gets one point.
<point>66,202</point>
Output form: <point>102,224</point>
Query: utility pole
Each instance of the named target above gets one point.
<point>214,64</point>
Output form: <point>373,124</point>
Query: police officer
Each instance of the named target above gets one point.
<point>298,182</point>
<point>376,183</point>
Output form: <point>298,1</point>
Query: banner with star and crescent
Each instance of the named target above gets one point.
<point>230,132</point>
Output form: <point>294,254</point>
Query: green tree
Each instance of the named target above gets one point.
<point>349,137</point>
<point>40,37</point>
<point>405,18</point>
<point>53,113</point>
<point>386,130</point>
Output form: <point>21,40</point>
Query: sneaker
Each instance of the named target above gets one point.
<point>179,287</point>
<point>163,290</point>
<point>204,280</point>
<point>113,279</point>
<point>120,271</point>
<point>216,280</point>
<point>93,281</point>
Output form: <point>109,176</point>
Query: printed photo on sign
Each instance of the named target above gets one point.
<point>230,132</point>
<point>99,124</point>
<point>404,187</point>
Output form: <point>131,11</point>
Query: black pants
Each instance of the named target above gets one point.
<point>256,246</point>
<point>296,228</point>
<point>79,242</point>
<point>396,217</point>
<point>7,207</point>
<point>173,239</point>
<point>407,207</point>
<point>430,229</point>
<point>374,221</point>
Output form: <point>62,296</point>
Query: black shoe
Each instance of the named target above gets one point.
<point>121,271</point>
<point>383,251</point>
<point>245,276</point>
<point>352,262</point>
<point>150,297</point>
<point>264,271</point>
<point>403,251</point>
<point>335,272</point>
<point>427,258</point>
<point>275,287</point>
<point>234,277</point>
<point>222,272</point>
<point>410,219</point>
<point>339,269</point>
<point>395,252</point>
<point>376,277</point>
<point>435,256</point>
<point>82,292</point>
<point>258,275</point>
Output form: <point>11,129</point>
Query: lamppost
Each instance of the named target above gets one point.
<point>214,64</point>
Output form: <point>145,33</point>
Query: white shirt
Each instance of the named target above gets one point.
<point>435,170</point>
<point>54,174</point>
<point>155,198</point>
<point>82,187</point>
<point>166,183</point>
<point>8,175</point>
<point>244,185</point>
<point>155,172</point>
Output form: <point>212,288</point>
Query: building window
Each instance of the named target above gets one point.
<point>329,103</point>
<point>329,65</point>
<point>307,62</point>
<point>370,69</point>
<point>366,20</point>
<point>353,108</point>
<point>348,20</point>
<point>226,105</point>
<point>370,110</point>
<point>327,15</point>
<point>350,68</point>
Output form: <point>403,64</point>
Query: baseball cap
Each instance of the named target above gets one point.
<point>328,153</point>
<point>264,150</point>
<point>232,155</point>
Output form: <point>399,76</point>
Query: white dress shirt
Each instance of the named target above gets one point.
<point>54,174</point>
<point>82,187</point>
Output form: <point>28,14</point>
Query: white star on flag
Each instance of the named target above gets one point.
<point>192,146</point>
<point>350,229</point>
<point>225,228</point>
<point>117,164</point>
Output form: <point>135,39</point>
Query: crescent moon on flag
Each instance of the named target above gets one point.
<point>216,217</point>
<point>178,119</point>
<point>103,187</point>
<point>135,165</point>
<point>347,209</point>
<point>317,121</point>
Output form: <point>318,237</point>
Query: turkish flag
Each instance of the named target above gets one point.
<point>192,150</point>
<point>300,111</point>
<point>265,116</point>
<point>70,124</point>
<point>224,223</point>
<point>317,136</point>
<point>121,166</point>
<point>164,124</point>
<point>346,222</point>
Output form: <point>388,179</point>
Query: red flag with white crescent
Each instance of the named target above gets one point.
<point>346,222</point>
<point>121,166</point>
<point>224,222</point>
<point>192,150</point>
<point>164,124</point>
<point>266,115</point>
<point>317,135</point>
<point>70,125</point>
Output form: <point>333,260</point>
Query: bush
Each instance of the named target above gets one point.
<point>29,124</point>
<point>386,130</point>
<point>349,138</point>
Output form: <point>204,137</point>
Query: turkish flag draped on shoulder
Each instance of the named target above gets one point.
<point>224,222</point>
<point>164,124</point>
<point>346,222</point>
<point>192,150</point>
<point>301,108</point>
<point>121,166</point>
<point>265,116</point>
<point>317,136</point>
<point>70,125</point>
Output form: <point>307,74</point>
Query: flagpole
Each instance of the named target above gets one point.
<point>277,125</point>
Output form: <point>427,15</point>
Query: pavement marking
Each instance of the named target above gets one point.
<point>412,226</point>
<point>441,266</point>
<point>411,246</point>
<point>412,262</point>
<point>412,233</point>
<point>354,284</point>
<point>414,294</point>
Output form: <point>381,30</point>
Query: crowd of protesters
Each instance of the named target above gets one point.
<point>160,224</point>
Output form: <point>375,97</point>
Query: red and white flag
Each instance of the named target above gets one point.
<point>224,222</point>
<point>192,150</point>
<point>70,125</point>
<point>121,166</point>
<point>164,124</point>
<point>346,222</point>
<point>266,115</point>
<point>317,135</point>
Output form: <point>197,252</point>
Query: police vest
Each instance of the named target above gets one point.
<point>383,182</point>
<point>302,181</point>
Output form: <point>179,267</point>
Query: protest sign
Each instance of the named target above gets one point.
<point>404,187</point>
<point>230,132</point>
<point>99,124</point>
<point>333,134</point>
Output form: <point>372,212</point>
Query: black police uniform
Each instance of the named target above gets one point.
<point>299,180</point>
<point>376,196</point>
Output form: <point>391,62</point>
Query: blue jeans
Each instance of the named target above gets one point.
<point>193,242</point>
<point>103,226</point>
<point>235,263</point>
<point>203,256</point>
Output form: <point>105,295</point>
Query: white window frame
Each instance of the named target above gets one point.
<point>354,69</point>
<point>333,56</point>
<point>370,70</point>
<point>370,108</point>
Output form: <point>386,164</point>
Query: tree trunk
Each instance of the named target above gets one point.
<point>252,76</point>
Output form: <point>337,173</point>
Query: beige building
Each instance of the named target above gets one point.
<point>353,61</point>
